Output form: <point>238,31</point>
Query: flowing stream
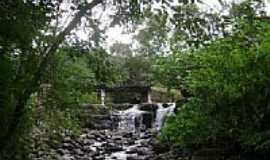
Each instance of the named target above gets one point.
<point>130,138</point>
<point>132,120</point>
<point>161,114</point>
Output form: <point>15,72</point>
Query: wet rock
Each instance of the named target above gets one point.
<point>131,150</point>
<point>90,136</point>
<point>112,147</point>
<point>99,158</point>
<point>62,151</point>
<point>135,157</point>
<point>101,122</point>
<point>147,119</point>
<point>150,107</point>
<point>123,106</point>
<point>116,137</point>
<point>132,157</point>
<point>165,105</point>
<point>83,158</point>
<point>127,134</point>
<point>111,144</point>
<point>87,149</point>
<point>144,151</point>
<point>87,141</point>
<point>146,136</point>
<point>129,142</point>
<point>68,146</point>
<point>94,154</point>
<point>67,139</point>
<point>76,144</point>
<point>78,151</point>
<point>68,157</point>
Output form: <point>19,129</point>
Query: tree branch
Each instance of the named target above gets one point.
<point>34,82</point>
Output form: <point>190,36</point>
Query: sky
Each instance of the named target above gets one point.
<point>116,33</point>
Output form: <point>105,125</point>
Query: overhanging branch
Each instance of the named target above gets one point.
<point>34,81</point>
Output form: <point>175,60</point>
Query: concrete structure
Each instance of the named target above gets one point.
<point>125,94</point>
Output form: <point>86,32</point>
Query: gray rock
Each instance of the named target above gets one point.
<point>68,157</point>
<point>78,151</point>
<point>112,147</point>
<point>68,146</point>
<point>62,151</point>
<point>136,157</point>
<point>144,151</point>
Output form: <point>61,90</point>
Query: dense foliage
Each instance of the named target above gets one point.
<point>219,61</point>
<point>229,108</point>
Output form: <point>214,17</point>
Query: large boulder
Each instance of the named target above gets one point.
<point>147,119</point>
<point>149,107</point>
<point>101,122</point>
<point>123,106</point>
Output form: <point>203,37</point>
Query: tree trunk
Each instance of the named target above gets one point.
<point>33,84</point>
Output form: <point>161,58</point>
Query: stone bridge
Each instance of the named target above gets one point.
<point>125,94</point>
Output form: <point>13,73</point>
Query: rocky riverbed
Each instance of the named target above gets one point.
<point>127,134</point>
<point>107,145</point>
<point>120,135</point>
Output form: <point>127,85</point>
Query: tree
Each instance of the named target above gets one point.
<point>28,48</point>
<point>17,55</point>
<point>100,62</point>
<point>27,83</point>
<point>121,50</point>
<point>229,106</point>
<point>34,40</point>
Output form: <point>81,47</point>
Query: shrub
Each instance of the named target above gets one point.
<point>231,95</point>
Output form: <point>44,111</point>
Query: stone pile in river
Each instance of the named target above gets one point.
<point>121,135</point>
<point>106,145</point>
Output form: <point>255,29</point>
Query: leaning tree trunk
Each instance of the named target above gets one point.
<point>33,83</point>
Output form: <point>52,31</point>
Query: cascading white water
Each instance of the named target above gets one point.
<point>161,114</point>
<point>132,118</point>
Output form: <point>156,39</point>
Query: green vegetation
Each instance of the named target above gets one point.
<point>229,107</point>
<point>219,63</point>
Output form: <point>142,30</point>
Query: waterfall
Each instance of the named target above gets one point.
<point>132,118</point>
<point>161,114</point>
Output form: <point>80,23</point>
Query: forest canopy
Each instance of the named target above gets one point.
<point>53,55</point>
